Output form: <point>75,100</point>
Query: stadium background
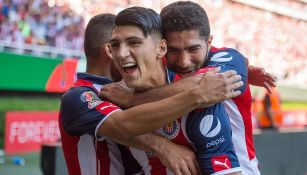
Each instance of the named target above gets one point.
<point>41,48</point>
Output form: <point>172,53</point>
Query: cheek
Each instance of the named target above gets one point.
<point>170,58</point>
<point>198,59</point>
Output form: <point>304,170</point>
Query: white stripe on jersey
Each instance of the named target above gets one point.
<point>239,138</point>
<point>116,163</point>
<point>87,155</point>
<point>183,128</point>
<point>142,158</point>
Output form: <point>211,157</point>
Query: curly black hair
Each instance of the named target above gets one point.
<point>184,15</point>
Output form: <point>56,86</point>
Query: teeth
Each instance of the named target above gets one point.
<point>128,64</point>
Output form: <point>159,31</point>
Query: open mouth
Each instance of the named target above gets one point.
<point>129,68</point>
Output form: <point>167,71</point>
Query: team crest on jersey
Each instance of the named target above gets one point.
<point>91,98</point>
<point>170,131</point>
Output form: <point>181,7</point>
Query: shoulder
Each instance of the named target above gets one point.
<point>224,54</point>
<point>77,96</point>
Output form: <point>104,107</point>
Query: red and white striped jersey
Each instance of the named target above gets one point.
<point>81,114</point>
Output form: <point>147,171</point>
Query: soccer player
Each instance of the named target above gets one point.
<point>187,31</point>
<point>137,50</point>
<point>88,125</point>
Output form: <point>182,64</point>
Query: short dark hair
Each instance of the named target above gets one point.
<point>144,18</point>
<point>184,15</point>
<point>97,33</point>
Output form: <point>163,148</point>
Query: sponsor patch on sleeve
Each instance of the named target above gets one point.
<point>220,163</point>
<point>91,98</point>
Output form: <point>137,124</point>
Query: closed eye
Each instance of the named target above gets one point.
<point>114,45</point>
<point>194,49</point>
<point>171,50</point>
<point>134,43</point>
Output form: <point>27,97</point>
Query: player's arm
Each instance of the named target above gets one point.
<point>177,158</point>
<point>218,86</point>
<point>108,120</point>
<point>257,76</point>
<point>231,60</point>
<point>82,112</point>
<point>150,116</point>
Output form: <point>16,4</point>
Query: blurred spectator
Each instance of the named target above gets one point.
<point>272,41</point>
<point>269,113</point>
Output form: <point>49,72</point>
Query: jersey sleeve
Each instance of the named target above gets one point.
<point>83,112</point>
<point>231,59</point>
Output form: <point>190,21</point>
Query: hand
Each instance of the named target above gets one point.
<point>116,94</point>
<point>216,87</point>
<point>257,76</point>
<point>179,159</point>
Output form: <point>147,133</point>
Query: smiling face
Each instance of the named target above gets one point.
<point>187,51</point>
<point>138,58</point>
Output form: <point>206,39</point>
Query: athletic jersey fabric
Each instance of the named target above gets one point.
<point>81,114</point>
<point>206,130</point>
<point>238,109</point>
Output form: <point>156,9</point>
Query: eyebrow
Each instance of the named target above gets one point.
<point>129,38</point>
<point>193,46</point>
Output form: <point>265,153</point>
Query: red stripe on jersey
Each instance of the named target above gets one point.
<point>103,159</point>
<point>106,108</point>
<point>180,139</point>
<point>70,148</point>
<point>83,83</point>
<point>164,61</point>
<point>214,49</point>
<point>243,103</point>
<point>220,163</point>
<point>157,168</point>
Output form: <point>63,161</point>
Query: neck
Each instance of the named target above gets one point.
<point>101,72</point>
<point>157,78</point>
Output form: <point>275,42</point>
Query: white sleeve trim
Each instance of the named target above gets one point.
<point>231,170</point>
<point>101,138</point>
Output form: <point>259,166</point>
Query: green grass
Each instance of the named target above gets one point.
<point>294,105</point>
<point>25,104</point>
<point>31,167</point>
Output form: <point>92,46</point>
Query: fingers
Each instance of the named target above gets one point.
<point>270,79</point>
<point>214,70</point>
<point>235,85</point>
<point>235,78</point>
<point>177,171</point>
<point>184,170</point>
<point>229,73</point>
<point>268,87</point>
<point>194,169</point>
<point>233,94</point>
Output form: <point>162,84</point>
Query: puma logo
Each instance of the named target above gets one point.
<point>216,162</point>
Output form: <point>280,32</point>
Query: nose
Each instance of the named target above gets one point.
<point>123,51</point>
<point>183,60</point>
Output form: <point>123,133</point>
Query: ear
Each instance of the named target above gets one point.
<point>108,50</point>
<point>210,41</point>
<point>162,49</point>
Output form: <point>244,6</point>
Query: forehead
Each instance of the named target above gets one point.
<point>124,32</point>
<point>186,37</point>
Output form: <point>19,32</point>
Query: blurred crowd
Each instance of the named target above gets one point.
<point>41,22</point>
<point>272,41</point>
<point>275,42</point>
